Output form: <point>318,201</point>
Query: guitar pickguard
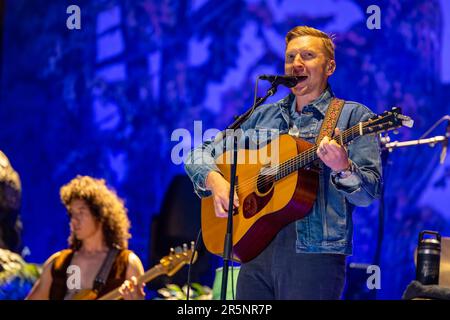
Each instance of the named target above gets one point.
<point>253,203</point>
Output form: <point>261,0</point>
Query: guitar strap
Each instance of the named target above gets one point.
<point>331,119</point>
<point>102,276</point>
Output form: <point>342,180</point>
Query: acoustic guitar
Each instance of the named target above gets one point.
<point>272,195</point>
<point>169,265</point>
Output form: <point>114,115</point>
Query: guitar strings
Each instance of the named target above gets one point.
<point>291,165</point>
<point>294,163</point>
<point>298,159</point>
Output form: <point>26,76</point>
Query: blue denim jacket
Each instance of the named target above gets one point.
<point>329,227</point>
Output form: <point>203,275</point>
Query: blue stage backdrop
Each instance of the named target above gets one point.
<point>103,100</point>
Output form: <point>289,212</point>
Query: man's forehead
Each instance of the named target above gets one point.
<point>305,43</point>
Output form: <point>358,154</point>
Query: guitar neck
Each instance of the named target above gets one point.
<point>146,277</point>
<point>306,157</point>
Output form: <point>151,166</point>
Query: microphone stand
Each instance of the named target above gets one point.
<point>385,164</point>
<point>384,155</point>
<point>430,141</point>
<point>228,241</point>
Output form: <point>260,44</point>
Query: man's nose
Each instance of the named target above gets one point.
<point>298,62</point>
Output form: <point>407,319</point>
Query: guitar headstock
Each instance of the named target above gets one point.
<point>177,258</point>
<point>388,120</point>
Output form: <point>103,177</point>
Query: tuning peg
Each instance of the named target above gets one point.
<point>384,138</point>
<point>185,247</point>
<point>172,251</point>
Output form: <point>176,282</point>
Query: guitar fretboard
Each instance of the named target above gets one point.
<point>146,277</point>
<point>308,156</point>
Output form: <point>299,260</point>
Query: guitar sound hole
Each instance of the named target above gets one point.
<point>264,183</point>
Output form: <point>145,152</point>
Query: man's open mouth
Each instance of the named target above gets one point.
<point>301,78</point>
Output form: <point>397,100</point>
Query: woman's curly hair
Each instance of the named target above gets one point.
<point>10,204</point>
<point>105,206</point>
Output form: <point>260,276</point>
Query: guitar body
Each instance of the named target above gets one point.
<point>262,212</point>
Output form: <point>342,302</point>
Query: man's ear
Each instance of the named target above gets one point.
<point>331,66</point>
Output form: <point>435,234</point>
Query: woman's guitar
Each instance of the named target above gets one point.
<point>169,265</point>
<point>273,195</point>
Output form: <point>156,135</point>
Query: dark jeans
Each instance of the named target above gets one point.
<point>279,273</point>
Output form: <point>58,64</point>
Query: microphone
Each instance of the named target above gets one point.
<point>445,143</point>
<point>287,81</point>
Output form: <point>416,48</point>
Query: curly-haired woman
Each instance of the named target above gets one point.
<point>99,227</point>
